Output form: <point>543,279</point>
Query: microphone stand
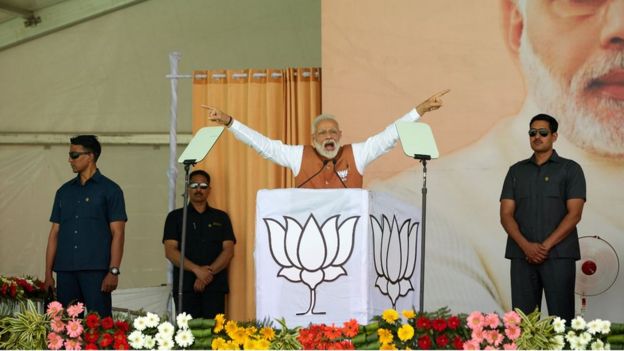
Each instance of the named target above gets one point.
<point>423,159</point>
<point>187,166</point>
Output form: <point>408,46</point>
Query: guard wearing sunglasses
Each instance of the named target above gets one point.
<point>85,244</point>
<point>540,205</point>
<point>209,249</point>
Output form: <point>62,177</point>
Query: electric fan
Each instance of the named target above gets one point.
<point>597,269</point>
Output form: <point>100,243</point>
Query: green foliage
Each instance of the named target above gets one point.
<point>286,339</point>
<point>537,333</point>
<point>26,330</point>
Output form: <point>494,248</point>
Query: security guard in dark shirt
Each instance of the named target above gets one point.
<point>85,244</point>
<point>209,249</point>
<point>541,203</point>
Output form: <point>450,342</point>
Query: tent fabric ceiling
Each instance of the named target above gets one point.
<point>10,9</point>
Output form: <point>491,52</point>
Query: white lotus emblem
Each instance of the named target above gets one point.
<point>394,253</point>
<point>311,253</point>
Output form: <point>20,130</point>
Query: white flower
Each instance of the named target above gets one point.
<point>136,340</point>
<point>166,329</point>
<point>571,335</point>
<point>585,338</point>
<point>593,327</point>
<point>557,342</point>
<point>575,344</point>
<point>140,323</point>
<point>597,345</point>
<point>182,320</point>
<point>165,344</point>
<point>152,320</point>
<point>558,325</point>
<point>578,323</point>
<point>184,338</point>
<point>605,327</point>
<point>149,342</point>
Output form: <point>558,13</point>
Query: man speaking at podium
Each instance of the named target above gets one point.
<point>326,164</point>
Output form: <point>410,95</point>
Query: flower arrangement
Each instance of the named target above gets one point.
<point>488,332</point>
<point>71,332</point>
<point>19,289</point>
<point>581,335</point>
<point>150,332</point>
<point>438,330</point>
<point>329,337</point>
<point>230,335</point>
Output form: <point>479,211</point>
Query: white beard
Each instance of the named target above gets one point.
<point>595,124</point>
<point>327,154</point>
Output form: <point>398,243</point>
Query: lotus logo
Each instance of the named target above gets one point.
<point>311,253</point>
<point>394,254</point>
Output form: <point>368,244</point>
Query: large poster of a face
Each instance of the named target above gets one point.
<point>504,61</point>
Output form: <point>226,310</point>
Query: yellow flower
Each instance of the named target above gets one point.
<point>230,327</point>
<point>239,336</point>
<point>263,344</point>
<point>220,321</point>
<point>385,336</point>
<point>250,344</point>
<point>267,333</point>
<point>390,315</point>
<point>409,314</point>
<point>230,345</point>
<point>388,347</point>
<point>251,330</point>
<point>406,332</point>
<point>218,343</point>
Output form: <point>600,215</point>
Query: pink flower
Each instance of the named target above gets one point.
<point>492,320</point>
<point>478,335</point>
<point>471,345</point>
<point>490,336</point>
<point>74,310</point>
<point>475,320</point>
<point>72,344</point>
<point>55,342</point>
<point>512,332</point>
<point>511,346</point>
<point>511,318</point>
<point>54,309</point>
<point>490,348</point>
<point>57,325</point>
<point>74,328</point>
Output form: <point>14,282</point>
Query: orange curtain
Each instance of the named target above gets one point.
<point>279,103</point>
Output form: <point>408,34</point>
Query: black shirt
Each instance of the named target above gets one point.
<point>84,213</point>
<point>540,194</point>
<point>205,234</point>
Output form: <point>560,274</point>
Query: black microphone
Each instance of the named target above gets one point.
<point>336,173</point>
<point>315,174</point>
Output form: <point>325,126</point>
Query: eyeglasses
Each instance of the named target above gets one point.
<point>574,8</point>
<point>542,132</point>
<point>202,186</point>
<point>75,154</point>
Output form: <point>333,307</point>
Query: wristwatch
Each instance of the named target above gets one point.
<point>114,271</point>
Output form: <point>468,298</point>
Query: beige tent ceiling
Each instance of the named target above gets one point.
<point>23,20</point>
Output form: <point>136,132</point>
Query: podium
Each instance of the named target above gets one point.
<point>330,255</point>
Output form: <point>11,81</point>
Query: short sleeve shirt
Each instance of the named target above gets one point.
<point>84,213</point>
<point>541,193</point>
<point>205,234</point>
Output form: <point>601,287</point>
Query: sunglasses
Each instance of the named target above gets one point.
<point>75,154</point>
<point>542,132</point>
<point>202,186</point>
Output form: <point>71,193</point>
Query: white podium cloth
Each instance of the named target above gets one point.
<point>327,256</point>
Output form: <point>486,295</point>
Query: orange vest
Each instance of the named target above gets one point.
<point>343,164</point>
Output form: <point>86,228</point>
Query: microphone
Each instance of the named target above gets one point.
<point>315,174</point>
<point>336,173</point>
